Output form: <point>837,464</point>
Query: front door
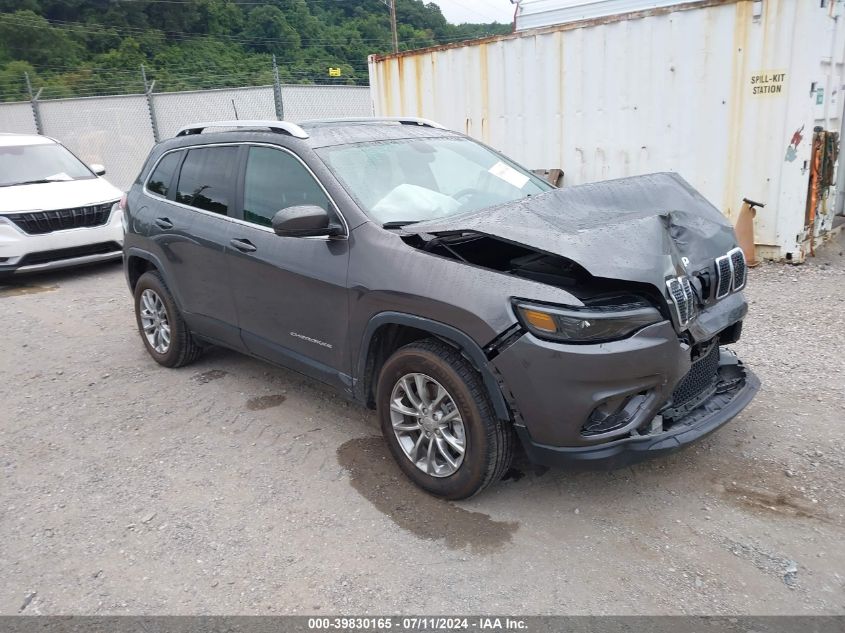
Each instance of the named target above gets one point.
<point>290,292</point>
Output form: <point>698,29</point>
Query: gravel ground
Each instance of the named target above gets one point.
<point>231,486</point>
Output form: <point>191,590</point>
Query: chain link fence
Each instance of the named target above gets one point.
<point>118,131</point>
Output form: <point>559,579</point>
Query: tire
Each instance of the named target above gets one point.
<point>181,348</point>
<point>488,442</point>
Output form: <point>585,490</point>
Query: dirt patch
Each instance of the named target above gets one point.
<point>783,503</point>
<point>18,291</point>
<point>377,477</point>
<point>260,403</point>
<point>208,376</point>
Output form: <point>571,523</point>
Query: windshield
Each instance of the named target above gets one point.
<point>39,163</point>
<point>421,179</point>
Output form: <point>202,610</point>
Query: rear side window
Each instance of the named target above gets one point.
<point>162,176</point>
<point>275,180</point>
<point>206,179</point>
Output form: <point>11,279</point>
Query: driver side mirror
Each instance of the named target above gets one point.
<point>98,169</point>
<point>306,220</point>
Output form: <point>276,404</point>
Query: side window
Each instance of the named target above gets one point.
<point>206,179</point>
<point>275,180</point>
<point>161,178</point>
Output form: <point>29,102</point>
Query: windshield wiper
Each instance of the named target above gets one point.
<point>399,224</point>
<point>39,181</point>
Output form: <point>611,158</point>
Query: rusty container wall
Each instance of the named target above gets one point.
<point>724,92</point>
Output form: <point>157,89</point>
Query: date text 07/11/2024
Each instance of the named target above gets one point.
<point>408,623</point>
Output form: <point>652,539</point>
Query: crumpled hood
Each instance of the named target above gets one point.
<point>57,195</point>
<point>640,228</point>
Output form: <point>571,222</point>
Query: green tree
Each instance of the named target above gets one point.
<point>267,30</point>
<point>73,47</point>
<point>27,36</point>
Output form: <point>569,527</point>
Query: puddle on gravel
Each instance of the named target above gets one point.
<point>17,291</point>
<point>376,476</point>
<point>785,504</point>
<point>208,376</point>
<point>260,403</point>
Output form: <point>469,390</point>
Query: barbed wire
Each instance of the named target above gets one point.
<point>131,83</point>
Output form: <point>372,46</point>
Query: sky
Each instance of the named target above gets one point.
<point>457,11</point>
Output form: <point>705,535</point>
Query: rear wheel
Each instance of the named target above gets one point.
<point>439,423</point>
<point>163,330</point>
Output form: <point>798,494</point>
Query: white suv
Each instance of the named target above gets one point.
<point>55,211</point>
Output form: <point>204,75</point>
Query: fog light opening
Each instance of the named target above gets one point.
<point>613,414</point>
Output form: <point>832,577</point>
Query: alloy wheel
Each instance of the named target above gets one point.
<point>154,321</point>
<point>427,424</point>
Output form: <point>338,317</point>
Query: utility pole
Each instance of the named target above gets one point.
<point>391,4</point>
<point>393,26</point>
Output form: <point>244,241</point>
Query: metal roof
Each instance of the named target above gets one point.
<point>534,14</point>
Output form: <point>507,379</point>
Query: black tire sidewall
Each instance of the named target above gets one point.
<point>177,335</point>
<point>472,474</point>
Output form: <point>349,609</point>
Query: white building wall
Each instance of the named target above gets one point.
<point>670,89</point>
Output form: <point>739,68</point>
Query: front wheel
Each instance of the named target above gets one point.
<point>439,423</point>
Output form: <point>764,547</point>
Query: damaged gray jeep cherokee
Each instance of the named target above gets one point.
<point>433,279</point>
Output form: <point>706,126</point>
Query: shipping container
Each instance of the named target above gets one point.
<point>727,93</point>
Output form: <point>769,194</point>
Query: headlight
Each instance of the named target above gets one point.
<point>588,324</point>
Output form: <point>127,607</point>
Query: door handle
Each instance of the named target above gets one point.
<point>244,246</point>
<point>164,223</point>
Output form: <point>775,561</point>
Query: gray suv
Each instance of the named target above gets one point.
<point>429,277</point>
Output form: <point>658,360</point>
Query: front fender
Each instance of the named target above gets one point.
<point>450,335</point>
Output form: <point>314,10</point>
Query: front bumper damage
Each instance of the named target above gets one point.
<point>715,412</point>
<point>554,389</point>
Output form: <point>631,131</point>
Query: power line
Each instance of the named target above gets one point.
<point>97,29</point>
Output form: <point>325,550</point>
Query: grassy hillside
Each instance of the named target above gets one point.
<point>76,47</point>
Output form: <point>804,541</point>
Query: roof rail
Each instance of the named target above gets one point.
<point>399,120</point>
<point>281,127</point>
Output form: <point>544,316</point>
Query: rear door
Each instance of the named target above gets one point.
<point>192,226</point>
<point>290,292</point>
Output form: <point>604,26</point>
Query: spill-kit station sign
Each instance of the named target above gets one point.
<point>768,82</point>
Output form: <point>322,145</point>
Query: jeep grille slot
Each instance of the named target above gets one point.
<point>682,298</point>
<point>724,276</point>
<point>739,268</point>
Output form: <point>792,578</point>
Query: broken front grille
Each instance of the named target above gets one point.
<point>683,299</point>
<point>698,383</point>
<point>40,222</point>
